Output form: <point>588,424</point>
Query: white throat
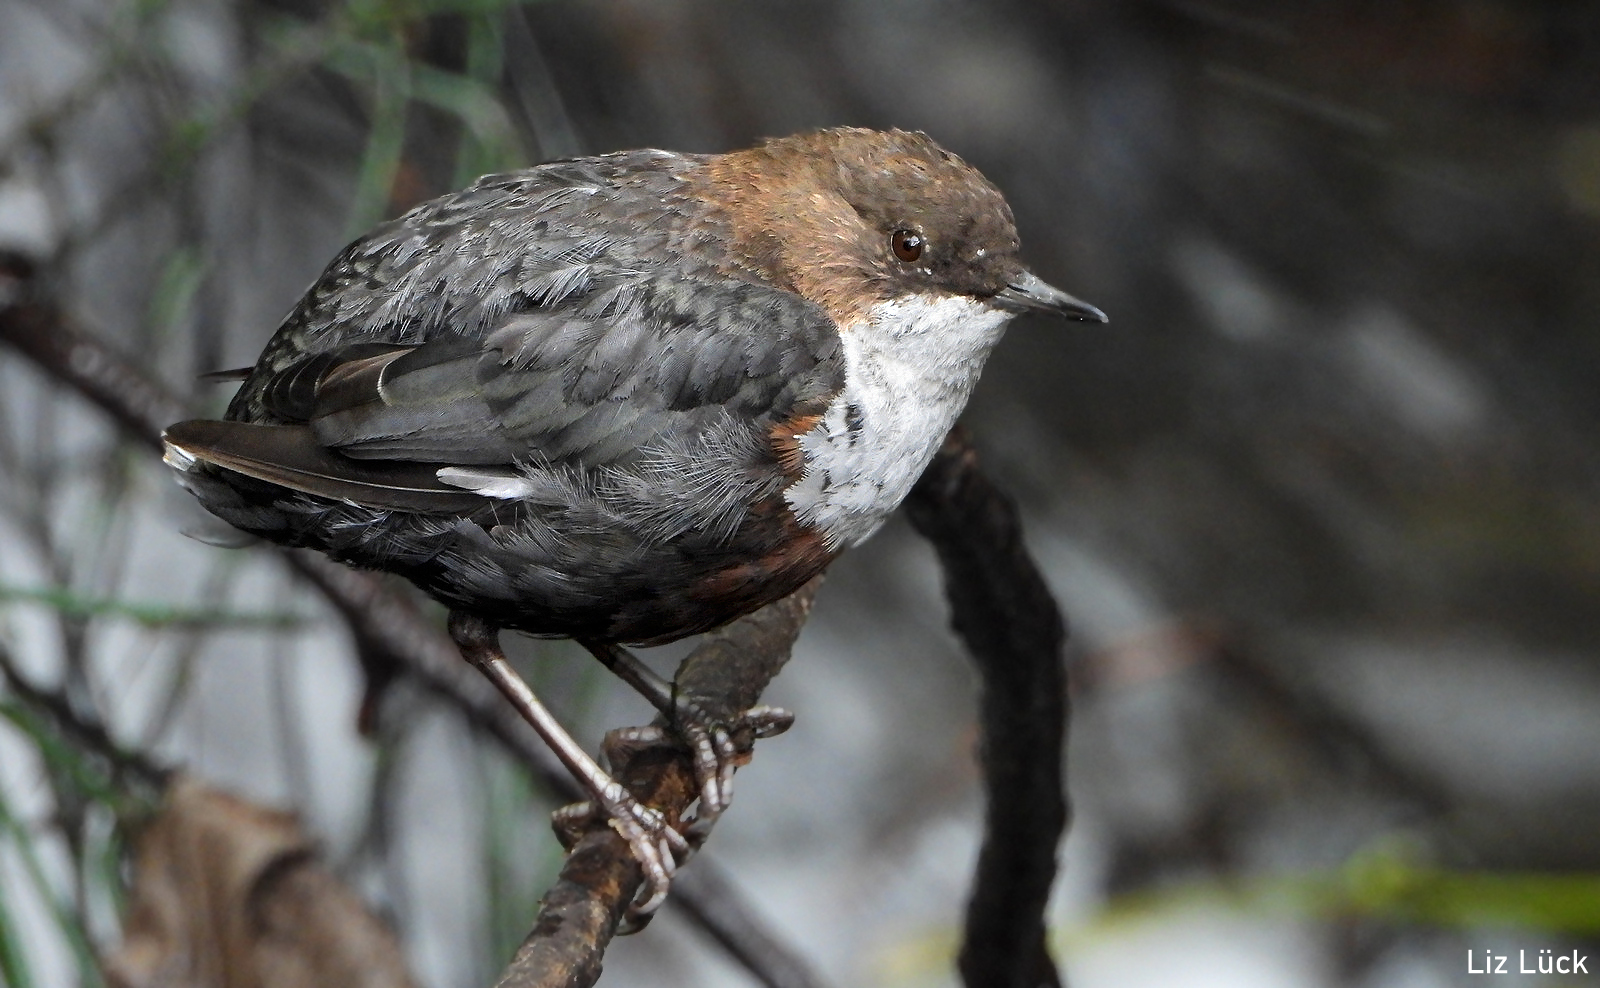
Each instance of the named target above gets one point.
<point>910,367</point>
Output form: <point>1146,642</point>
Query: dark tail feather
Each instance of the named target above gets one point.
<point>290,456</point>
<point>224,376</point>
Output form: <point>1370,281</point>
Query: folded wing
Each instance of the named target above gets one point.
<point>637,380</point>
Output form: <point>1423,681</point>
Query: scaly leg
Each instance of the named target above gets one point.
<point>653,843</point>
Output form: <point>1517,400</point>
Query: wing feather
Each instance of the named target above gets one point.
<point>517,326</point>
<point>561,388</point>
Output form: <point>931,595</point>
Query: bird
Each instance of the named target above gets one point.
<point>628,398</point>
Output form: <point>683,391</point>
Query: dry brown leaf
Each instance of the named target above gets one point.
<point>227,894</point>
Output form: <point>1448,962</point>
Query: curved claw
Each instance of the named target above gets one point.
<point>714,755</point>
<point>648,840</point>
<point>569,822</point>
<point>766,722</point>
<point>717,756</point>
<point>655,844</point>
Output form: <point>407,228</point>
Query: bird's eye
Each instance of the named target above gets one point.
<point>907,245</point>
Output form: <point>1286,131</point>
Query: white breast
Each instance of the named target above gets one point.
<point>911,367</point>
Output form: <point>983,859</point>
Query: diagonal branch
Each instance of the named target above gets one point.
<point>52,709</point>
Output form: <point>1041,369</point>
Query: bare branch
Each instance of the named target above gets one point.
<point>1002,609</point>
<point>86,733</point>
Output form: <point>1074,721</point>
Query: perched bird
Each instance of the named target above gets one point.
<point>626,398</point>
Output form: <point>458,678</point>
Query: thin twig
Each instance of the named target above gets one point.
<point>85,733</point>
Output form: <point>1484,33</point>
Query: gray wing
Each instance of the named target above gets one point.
<point>651,391</point>
<point>636,363</point>
<point>542,334</point>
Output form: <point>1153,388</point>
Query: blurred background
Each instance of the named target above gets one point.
<point>1322,503</point>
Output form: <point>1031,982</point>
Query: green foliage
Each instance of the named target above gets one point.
<point>20,838</point>
<point>172,302</point>
<point>389,75</point>
<point>393,81</point>
<point>520,860</point>
<point>1392,882</point>
<point>15,970</point>
<point>1389,882</point>
<point>85,783</point>
<point>152,615</point>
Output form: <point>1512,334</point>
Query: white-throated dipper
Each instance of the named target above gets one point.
<point>627,398</point>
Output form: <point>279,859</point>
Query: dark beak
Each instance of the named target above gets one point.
<point>1029,293</point>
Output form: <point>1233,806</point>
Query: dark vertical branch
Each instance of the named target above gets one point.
<point>1002,609</point>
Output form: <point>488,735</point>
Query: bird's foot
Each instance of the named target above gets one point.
<point>718,745</point>
<point>654,842</point>
<point>717,750</point>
